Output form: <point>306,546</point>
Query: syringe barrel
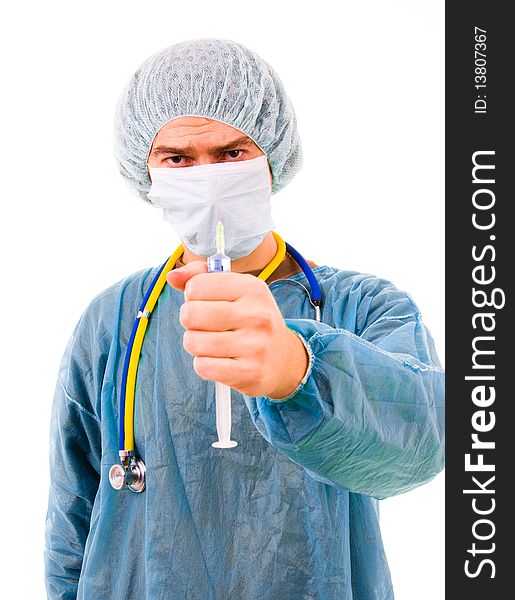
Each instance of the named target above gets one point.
<point>218,263</point>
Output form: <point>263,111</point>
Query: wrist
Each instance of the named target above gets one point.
<point>296,367</point>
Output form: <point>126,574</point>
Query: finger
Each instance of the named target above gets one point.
<point>233,372</point>
<point>178,278</point>
<point>216,344</point>
<point>206,315</point>
<point>222,286</point>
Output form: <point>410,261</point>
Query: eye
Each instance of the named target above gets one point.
<point>234,153</point>
<point>176,160</point>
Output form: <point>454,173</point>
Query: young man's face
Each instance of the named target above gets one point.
<point>190,141</point>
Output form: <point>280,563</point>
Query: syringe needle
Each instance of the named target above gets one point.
<point>220,238</point>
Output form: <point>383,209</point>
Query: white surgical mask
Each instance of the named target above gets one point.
<point>194,199</point>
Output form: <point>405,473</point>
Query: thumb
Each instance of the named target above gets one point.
<point>177,278</point>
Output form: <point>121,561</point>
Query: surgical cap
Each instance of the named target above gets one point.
<point>213,78</point>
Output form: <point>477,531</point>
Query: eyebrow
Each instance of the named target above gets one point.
<point>234,145</point>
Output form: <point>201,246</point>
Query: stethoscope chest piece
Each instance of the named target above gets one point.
<point>131,473</point>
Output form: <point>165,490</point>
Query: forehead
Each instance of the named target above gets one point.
<point>196,128</point>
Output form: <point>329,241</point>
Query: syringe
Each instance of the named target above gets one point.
<point>218,263</point>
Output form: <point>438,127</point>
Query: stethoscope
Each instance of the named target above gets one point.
<point>131,471</point>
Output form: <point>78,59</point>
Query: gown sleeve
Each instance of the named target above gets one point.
<point>369,414</point>
<point>75,454</point>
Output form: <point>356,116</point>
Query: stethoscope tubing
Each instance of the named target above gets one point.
<point>316,292</point>
<point>127,360</point>
<point>316,295</point>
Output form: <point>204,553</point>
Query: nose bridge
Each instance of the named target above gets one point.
<point>204,145</point>
<point>204,157</point>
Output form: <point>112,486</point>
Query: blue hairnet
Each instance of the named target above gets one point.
<point>212,78</point>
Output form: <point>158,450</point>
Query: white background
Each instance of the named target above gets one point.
<point>366,80</point>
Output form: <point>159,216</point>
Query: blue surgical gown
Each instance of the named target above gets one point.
<point>291,513</point>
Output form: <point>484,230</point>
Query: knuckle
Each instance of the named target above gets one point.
<point>261,284</point>
<point>253,285</point>
<point>260,352</point>
<point>264,319</point>
<point>262,287</point>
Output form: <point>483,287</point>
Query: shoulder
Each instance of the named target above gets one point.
<point>130,288</point>
<point>355,281</point>
<point>113,306</point>
<point>365,296</point>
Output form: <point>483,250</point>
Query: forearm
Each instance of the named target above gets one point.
<point>366,420</point>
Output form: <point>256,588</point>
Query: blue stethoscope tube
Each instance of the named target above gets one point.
<point>316,292</point>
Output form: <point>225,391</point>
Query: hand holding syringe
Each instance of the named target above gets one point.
<point>237,334</point>
<point>218,263</point>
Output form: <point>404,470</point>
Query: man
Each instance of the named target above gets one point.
<point>330,415</point>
